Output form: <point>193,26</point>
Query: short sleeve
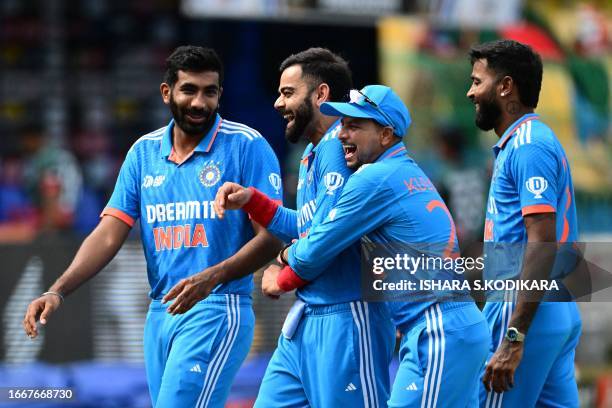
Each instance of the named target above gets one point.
<point>261,170</point>
<point>535,169</point>
<point>125,200</point>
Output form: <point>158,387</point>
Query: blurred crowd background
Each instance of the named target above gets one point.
<point>79,83</point>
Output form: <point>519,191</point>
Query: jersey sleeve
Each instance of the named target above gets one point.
<point>125,200</point>
<point>262,171</point>
<point>535,170</point>
<point>331,174</point>
<point>360,209</point>
<point>284,224</point>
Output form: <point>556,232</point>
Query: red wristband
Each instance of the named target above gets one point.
<point>288,280</point>
<point>260,207</point>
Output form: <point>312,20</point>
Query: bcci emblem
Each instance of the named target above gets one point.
<point>210,174</point>
<point>275,180</point>
<point>536,186</point>
<point>333,181</point>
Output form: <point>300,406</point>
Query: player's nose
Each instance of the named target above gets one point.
<point>198,102</point>
<point>470,93</point>
<point>279,103</point>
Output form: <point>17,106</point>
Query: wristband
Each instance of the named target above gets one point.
<point>260,207</point>
<point>54,293</point>
<point>288,280</point>
<point>281,258</point>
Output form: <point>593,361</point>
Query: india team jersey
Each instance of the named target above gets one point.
<point>392,202</point>
<point>531,175</point>
<point>180,232</point>
<point>322,175</point>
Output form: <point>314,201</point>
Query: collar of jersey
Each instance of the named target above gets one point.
<point>329,131</point>
<point>205,144</point>
<point>397,149</point>
<point>512,130</point>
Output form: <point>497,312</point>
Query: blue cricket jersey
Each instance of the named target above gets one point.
<point>180,232</point>
<point>390,201</point>
<point>322,175</point>
<point>531,175</point>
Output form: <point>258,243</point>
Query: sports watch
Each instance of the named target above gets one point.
<point>514,336</point>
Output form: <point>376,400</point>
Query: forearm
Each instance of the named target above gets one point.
<point>537,264</point>
<point>260,250</point>
<point>97,250</point>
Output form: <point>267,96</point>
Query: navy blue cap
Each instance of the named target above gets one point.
<point>376,102</point>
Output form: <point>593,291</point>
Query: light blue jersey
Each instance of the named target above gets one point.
<point>322,176</point>
<point>531,176</point>
<point>391,202</point>
<point>180,232</point>
<point>192,358</point>
<point>340,352</point>
<point>444,344</point>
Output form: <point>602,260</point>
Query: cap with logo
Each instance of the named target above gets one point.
<point>376,102</point>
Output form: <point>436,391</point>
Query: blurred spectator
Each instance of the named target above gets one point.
<point>52,180</point>
<point>17,215</point>
<point>462,184</point>
<point>92,148</point>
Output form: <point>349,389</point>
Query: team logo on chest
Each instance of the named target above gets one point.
<point>210,174</point>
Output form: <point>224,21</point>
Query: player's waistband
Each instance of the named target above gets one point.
<point>446,307</point>
<point>212,299</point>
<point>347,307</point>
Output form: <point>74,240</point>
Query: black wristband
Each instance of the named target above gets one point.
<point>281,257</point>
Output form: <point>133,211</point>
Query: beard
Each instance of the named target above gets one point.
<point>488,114</point>
<point>193,129</point>
<point>302,119</point>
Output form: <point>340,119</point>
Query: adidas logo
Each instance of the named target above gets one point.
<point>350,387</point>
<point>196,369</point>
<point>412,387</point>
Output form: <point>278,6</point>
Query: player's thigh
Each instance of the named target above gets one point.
<point>441,360</point>
<point>154,350</point>
<point>281,385</point>
<point>348,356</point>
<point>560,388</point>
<point>205,355</point>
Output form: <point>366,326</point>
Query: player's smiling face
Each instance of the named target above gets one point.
<point>362,140</point>
<point>193,100</point>
<point>295,103</point>
<point>483,94</point>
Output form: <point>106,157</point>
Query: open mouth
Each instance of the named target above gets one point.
<point>289,117</point>
<point>349,151</point>
<point>196,117</point>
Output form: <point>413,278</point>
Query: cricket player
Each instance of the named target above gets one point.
<point>335,348</point>
<point>531,200</point>
<point>168,181</point>
<point>390,201</point>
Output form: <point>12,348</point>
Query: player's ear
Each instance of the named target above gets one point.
<point>322,93</point>
<point>387,138</point>
<point>165,90</point>
<point>506,86</point>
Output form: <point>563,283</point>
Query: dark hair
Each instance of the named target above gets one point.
<point>320,65</point>
<point>516,60</point>
<point>193,59</point>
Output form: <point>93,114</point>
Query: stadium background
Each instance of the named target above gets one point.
<point>79,84</point>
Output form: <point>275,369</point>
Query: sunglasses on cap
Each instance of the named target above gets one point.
<point>357,97</point>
